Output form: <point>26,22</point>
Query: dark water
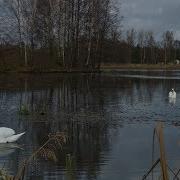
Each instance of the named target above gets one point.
<point>108,118</point>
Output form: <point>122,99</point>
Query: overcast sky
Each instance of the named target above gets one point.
<point>156,15</point>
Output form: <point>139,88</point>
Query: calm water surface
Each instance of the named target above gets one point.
<point>108,118</point>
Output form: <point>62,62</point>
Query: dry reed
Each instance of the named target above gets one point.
<point>47,151</point>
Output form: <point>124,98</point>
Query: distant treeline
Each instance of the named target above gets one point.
<point>74,34</point>
<point>143,48</point>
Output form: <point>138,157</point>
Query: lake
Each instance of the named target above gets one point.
<point>108,118</point>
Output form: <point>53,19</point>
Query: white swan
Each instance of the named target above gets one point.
<point>8,135</point>
<point>172,94</point>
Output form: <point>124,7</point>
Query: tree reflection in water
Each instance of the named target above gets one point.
<point>90,109</point>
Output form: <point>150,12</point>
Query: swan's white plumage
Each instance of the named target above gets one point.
<point>6,132</point>
<point>172,94</point>
<point>8,135</point>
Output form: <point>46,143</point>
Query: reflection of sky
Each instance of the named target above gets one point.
<point>109,118</point>
<point>131,155</point>
<point>131,145</point>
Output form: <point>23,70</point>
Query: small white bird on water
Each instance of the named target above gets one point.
<point>172,94</point>
<point>8,135</point>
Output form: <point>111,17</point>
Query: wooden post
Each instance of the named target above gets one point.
<point>163,162</point>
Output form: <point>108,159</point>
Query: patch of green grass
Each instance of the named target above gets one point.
<point>70,167</point>
<point>23,110</point>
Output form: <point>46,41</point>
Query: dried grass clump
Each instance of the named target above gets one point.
<point>47,151</point>
<point>165,169</point>
<point>4,175</point>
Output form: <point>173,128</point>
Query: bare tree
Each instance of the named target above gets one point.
<point>141,37</point>
<point>130,38</point>
<point>168,45</point>
<point>151,47</point>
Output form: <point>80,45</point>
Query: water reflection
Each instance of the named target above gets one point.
<point>7,149</point>
<point>94,111</point>
<point>172,101</point>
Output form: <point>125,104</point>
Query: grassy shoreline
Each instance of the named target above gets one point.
<point>148,67</point>
<point>32,71</point>
<point>103,68</point>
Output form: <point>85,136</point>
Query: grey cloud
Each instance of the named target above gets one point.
<point>155,15</point>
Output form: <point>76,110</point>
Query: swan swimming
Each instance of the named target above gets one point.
<point>8,135</point>
<point>172,94</point>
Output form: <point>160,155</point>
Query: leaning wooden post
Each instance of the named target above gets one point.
<point>163,162</point>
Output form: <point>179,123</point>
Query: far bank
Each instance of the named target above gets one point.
<point>147,67</point>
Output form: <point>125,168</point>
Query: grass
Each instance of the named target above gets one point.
<point>113,67</point>
<point>70,167</point>
<point>31,70</point>
<point>162,161</point>
<point>105,67</point>
<point>23,110</point>
<point>5,176</point>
